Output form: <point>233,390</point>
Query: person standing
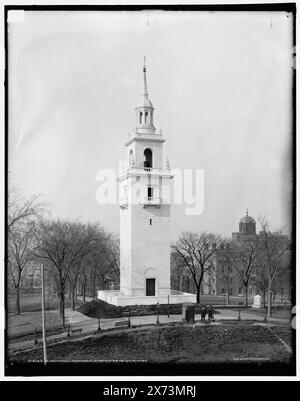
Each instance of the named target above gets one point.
<point>203,312</point>
<point>211,313</point>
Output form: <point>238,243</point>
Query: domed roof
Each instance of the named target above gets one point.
<point>144,102</point>
<point>247,219</point>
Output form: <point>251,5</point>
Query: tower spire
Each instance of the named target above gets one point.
<point>145,79</point>
<point>144,111</point>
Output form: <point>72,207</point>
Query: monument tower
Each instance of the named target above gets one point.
<point>144,193</point>
<point>145,210</point>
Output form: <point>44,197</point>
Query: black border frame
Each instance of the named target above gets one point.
<point>126,369</point>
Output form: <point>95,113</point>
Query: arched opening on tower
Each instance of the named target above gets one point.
<point>148,158</point>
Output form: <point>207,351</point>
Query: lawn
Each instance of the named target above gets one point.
<point>25,325</point>
<point>30,320</point>
<point>173,344</point>
<point>33,303</point>
<point>281,312</point>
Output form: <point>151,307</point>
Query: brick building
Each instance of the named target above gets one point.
<point>227,278</point>
<point>224,279</point>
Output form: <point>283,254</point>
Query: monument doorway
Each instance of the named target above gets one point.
<point>150,287</point>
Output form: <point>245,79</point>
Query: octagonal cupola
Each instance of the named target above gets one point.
<point>247,225</point>
<point>144,110</point>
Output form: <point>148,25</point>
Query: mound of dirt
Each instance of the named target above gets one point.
<point>101,310</point>
<point>190,344</point>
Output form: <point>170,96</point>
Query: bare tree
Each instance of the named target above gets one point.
<point>196,251</point>
<point>63,244</point>
<point>245,258</point>
<point>22,218</point>
<point>226,275</point>
<point>73,280</point>
<point>20,242</point>
<point>110,251</point>
<point>282,279</point>
<point>178,270</point>
<point>22,211</point>
<point>224,259</point>
<point>83,279</point>
<point>273,251</point>
<point>101,262</point>
<point>261,280</point>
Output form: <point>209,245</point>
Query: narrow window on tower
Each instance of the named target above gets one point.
<point>148,158</point>
<point>141,116</point>
<point>146,117</point>
<point>131,157</point>
<point>150,222</point>
<point>150,193</point>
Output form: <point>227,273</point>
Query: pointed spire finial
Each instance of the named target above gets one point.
<point>247,212</point>
<point>145,79</point>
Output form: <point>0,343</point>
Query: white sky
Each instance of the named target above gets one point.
<point>220,83</point>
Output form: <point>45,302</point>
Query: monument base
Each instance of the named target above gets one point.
<point>257,302</point>
<point>175,297</point>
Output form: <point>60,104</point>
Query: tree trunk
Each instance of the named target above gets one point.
<point>264,298</point>
<point>94,286</point>
<point>32,282</point>
<point>18,309</point>
<point>228,297</point>
<point>61,300</point>
<point>269,314</point>
<point>73,297</point>
<point>198,294</point>
<point>246,295</point>
<point>83,292</point>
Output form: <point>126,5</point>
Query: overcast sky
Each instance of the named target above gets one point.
<point>220,83</point>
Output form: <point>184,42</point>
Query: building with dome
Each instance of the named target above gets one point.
<point>227,280</point>
<point>224,279</point>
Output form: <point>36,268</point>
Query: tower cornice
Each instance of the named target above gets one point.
<point>141,137</point>
<point>155,172</point>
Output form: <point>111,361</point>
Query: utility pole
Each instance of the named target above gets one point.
<point>43,317</point>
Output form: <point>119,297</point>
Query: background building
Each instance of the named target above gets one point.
<point>228,266</point>
<point>229,272</point>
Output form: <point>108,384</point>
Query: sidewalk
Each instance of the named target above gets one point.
<point>90,325</point>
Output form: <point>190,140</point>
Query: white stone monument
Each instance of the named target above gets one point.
<point>257,301</point>
<point>144,189</point>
